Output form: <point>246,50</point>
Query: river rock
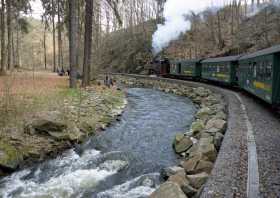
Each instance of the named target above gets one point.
<point>75,134</point>
<point>44,123</point>
<point>215,126</point>
<point>201,91</point>
<point>218,139</point>
<point>178,137</point>
<point>211,100</point>
<point>189,190</point>
<point>190,164</point>
<point>168,190</point>
<point>169,171</point>
<point>207,148</point>
<point>203,166</point>
<point>10,157</point>
<point>183,145</point>
<point>197,127</point>
<point>220,115</point>
<point>204,113</point>
<point>179,178</point>
<point>198,180</point>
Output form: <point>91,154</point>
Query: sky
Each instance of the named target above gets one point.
<point>194,5</point>
<point>37,8</point>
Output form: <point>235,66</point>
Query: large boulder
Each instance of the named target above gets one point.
<point>168,190</point>
<point>44,126</point>
<point>10,157</point>
<point>216,125</point>
<point>44,122</point>
<point>198,180</point>
<point>183,145</point>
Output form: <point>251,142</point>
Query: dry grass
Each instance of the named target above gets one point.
<point>22,93</point>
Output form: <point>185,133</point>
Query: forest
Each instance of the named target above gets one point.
<point>114,35</point>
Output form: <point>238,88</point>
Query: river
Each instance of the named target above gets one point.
<point>124,161</point>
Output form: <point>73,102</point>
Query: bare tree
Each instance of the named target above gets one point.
<point>72,42</point>
<point>3,27</point>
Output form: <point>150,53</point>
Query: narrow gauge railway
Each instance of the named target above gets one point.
<point>257,73</point>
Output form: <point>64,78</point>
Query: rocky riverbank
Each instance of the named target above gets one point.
<point>45,134</point>
<point>199,146</point>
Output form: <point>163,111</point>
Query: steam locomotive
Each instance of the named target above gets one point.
<point>257,73</point>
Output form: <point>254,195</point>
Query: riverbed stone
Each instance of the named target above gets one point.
<point>179,178</point>
<point>183,145</point>
<point>201,91</point>
<point>178,137</point>
<point>190,164</point>
<point>203,166</point>
<point>204,113</point>
<point>197,127</point>
<point>189,190</point>
<point>207,148</point>
<point>198,180</point>
<point>172,170</point>
<point>10,157</point>
<point>168,190</point>
<point>44,123</point>
<point>216,125</point>
<point>220,115</point>
<point>218,139</point>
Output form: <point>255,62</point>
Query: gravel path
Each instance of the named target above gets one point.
<point>267,134</point>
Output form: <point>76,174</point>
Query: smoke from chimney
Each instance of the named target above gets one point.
<point>176,22</point>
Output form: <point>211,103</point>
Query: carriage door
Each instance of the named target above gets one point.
<point>179,68</point>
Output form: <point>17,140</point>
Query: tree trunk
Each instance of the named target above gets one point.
<point>72,42</point>
<point>3,54</point>
<point>60,58</point>
<point>17,42</point>
<point>88,42</point>
<point>45,46</point>
<point>9,26</point>
<point>79,33</point>
<point>54,45</point>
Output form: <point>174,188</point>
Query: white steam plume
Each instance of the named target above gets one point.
<point>175,12</point>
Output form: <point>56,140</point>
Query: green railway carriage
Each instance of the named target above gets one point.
<point>188,68</point>
<point>259,74</point>
<point>221,69</point>
<point>191,68</point>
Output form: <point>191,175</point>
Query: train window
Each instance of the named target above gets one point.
<point>218,69</point>
<point>255,70</point>
<point>268,70</point>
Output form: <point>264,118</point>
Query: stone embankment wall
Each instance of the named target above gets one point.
<point>199,146</point>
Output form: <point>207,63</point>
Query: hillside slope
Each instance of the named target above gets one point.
<point>213,33</point>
